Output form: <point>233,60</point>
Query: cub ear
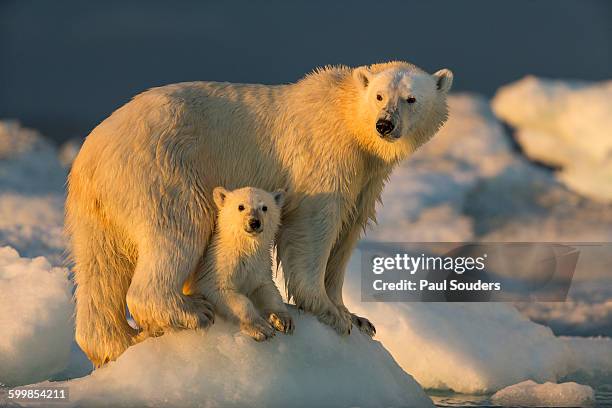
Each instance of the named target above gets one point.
<point>362,75</point>
<point>279,197</point>
<point>444,79</point>
<point>219,194</point>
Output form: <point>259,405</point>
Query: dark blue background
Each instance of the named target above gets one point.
<point>66,65</point>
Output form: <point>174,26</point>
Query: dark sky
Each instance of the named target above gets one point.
<point>66,65</point>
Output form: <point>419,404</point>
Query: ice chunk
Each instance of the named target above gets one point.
<point>222,367</point>
<point>464,347</point>
<point>532,394</point>
<point>31,193</point>
<point>28,162</point>
<point>565,124</point>
<point>35,317</point>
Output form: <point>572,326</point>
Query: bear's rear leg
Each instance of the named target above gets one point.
<point>102,275</point>
<point>155,297</point>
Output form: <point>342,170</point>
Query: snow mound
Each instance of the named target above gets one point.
<point>28,162</point>
<point>463,347</point>
<point>31,193</point>
<point>532,394</point>
<point>586,312</point>
<point>564,124</point>
<point>35,317</point>
<point>221,367</point>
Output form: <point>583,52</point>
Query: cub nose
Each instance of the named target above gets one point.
<point>254,223</point>
<point>384,126</point>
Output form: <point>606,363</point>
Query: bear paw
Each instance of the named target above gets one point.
<point>337,321</point>
<point>282,322</point>
<point>155,315</point>
<point>364,325</point>
<point>258,330</point>
<point>203,306</point>
<point>195,313</point>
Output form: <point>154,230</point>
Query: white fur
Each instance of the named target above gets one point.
<point>140,210</point>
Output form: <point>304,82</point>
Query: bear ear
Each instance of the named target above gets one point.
<point>444,79</point>
<point>279,197</point>
<point>362,75</point>
<point>219,194</point>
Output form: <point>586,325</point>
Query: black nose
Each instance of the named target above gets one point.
<point>254,223</point>
<point>384,126</point>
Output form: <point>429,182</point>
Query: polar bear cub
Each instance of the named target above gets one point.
<point>236,270</point>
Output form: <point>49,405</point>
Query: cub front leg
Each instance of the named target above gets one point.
<point>268,300</point>
<point>234,305</point>
<point>304,243</point>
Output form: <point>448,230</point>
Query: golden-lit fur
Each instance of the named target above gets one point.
<point>236,271</point>
<point>140,210</point>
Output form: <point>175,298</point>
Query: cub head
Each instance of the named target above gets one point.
<point>399,107</point>
<point>249,211</point>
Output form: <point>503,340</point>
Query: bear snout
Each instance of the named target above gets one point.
<point>253,225</point>
<point>384,127</point>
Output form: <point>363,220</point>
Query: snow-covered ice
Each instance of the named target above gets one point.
<point>36,318</point>
<point>469,348</point>
<point>222,367</point>
<point>564,124</point>
<point>474,348</point>
<point>31,193</point>
<point>532,394</point>
<point>586,312</point>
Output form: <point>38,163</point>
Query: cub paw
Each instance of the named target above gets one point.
<point>364,325</point>
<point>282,322</point>
<point>258,330</point>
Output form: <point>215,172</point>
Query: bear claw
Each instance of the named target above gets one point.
<point>259,330</point>
<point>364,325</point>
<point>282,322</point>
<point>205,308</point>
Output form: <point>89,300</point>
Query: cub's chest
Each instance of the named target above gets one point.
<point>249,274</point>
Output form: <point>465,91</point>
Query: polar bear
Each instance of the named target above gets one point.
<point>236,271</point>
<point>140,210</point>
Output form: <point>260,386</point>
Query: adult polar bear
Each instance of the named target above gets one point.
<point>140,211</point>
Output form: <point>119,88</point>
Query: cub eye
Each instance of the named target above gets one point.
<point>379,97</point>
<point>412,99</point>
<point>264,208</point>
<point>241,207</point>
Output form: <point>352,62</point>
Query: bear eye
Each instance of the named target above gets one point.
<point>411,99</point>
<point>264,208</point>
<point>241,207</point>
<point>379,97</point>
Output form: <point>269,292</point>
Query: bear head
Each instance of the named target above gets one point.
<point>249,212</point>
<point>399,107</point>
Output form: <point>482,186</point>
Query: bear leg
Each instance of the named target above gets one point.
<point>267,299</point>
<point>155,297</point>
<point>102,275</point>
<point>336,270</point>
